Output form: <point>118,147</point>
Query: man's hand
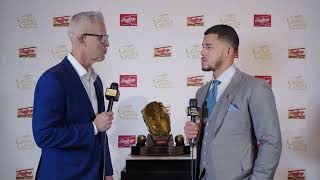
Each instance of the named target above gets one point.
<point>109,178</point>
<point>191,129</point>
<point>103,121</point>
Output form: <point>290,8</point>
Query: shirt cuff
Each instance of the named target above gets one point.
<point>95,129</point>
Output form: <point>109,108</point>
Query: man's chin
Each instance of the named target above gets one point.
<point>206,69</point>
<point>100,59</point>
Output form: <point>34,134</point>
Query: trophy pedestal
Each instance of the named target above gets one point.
<point>160,150</point>
<point>157,168</point>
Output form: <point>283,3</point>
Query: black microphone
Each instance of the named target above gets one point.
<point>193,110</point>
<point>112,94</point>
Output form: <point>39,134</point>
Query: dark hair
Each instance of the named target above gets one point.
<point>226,33</point>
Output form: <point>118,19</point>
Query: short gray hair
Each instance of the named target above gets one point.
<point>77,21</point>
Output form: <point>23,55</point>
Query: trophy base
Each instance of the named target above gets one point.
<point>160,150</point>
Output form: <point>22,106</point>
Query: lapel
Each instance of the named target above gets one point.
<point>99,92</point>
<point>225,100</point>
<point>76,83</point>
<point>201,97</point>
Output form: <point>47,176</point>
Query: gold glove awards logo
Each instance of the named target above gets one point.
<point>296,174</point>
<point>231,20</point>
<point>297,83</point>
<point>193,52</point>
<point>59,52</point>
<point>27,22</point>
<point>162,81</point>
<point>162,21</point>
<point>128,111</point>
<point>25,81</point>
<point>24,174</point>
<point>128,52</point>
<point>262,52</point>
<point>25,143</point>
<point>297,144</point>
<point>296,22</point>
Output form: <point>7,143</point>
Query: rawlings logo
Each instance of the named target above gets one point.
<point>126,141</point>
<point>195,21</point>
<point>163,51</point>
<point>298,53</point>
<point>61,21</point>
<point>262,20</point>
<point>29,52</point>
<point>128,19</point>
<point>128,80</point>
<point>24,173</point>
<point>195,80</point>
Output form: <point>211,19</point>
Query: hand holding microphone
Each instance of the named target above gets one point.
<point>103,120</point>
<point>191,128</point>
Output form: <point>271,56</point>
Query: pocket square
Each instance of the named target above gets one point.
<point>232,107</point>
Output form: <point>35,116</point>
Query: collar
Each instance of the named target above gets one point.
<point>81,71</point>
<point>227,75</point>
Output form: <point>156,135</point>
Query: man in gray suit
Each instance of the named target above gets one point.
<point>239,138</point>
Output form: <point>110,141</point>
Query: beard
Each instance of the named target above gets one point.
<point>216,66</point>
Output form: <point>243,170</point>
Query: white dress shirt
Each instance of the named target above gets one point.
<point>225,79</point>
<point>87,79</point>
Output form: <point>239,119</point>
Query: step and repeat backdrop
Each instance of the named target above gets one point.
<point>154,55</point>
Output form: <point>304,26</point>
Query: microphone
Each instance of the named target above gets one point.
<point>112,94</point>
<point>193,110</point>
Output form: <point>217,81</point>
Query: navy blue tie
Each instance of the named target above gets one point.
<point>212,96</point>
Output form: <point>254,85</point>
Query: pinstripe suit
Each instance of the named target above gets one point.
<point>244,113</point>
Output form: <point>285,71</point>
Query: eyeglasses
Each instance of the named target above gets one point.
<point>103,38</point>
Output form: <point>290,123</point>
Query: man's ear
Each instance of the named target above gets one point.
<point>81,40</point>
<point>229,52</point>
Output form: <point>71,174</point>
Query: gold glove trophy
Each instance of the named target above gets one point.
<point>159,141</point>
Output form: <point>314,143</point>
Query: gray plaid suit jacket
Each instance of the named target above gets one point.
<point>244,114</point>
